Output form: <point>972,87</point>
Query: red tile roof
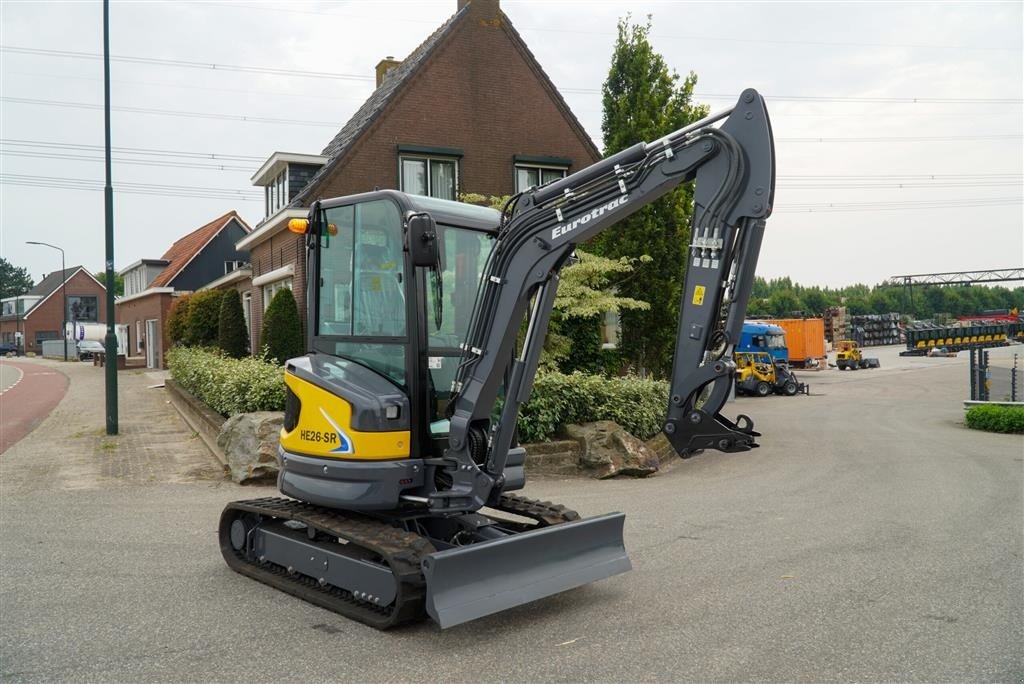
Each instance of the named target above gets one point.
<point>185,249</point>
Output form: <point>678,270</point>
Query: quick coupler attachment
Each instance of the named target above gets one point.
<point>468,582</point>
<point>699,430</point>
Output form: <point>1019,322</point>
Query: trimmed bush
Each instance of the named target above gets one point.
<point>203,319</point>
<point>232,336</point>
<point>281,335</point>
<point>226,385</point>
<point>177,320</point>
<point>996,418</point>
<point>638,405</point>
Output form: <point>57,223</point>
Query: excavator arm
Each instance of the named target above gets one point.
<point>734,167</point>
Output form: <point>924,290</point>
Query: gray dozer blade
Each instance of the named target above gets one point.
<point>468,582</point>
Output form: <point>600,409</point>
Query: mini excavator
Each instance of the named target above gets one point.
<point>399,461</point>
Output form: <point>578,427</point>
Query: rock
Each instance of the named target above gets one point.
<point>608,450</point>
<point>249,442</point>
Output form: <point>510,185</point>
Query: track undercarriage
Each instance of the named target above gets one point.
<point>389,570</point>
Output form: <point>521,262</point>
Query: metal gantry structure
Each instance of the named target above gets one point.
<point>991,275</point>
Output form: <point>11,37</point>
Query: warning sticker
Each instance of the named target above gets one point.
<point>434,362</point>
<point>698,295</point>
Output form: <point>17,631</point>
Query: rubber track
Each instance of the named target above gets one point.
<point>402,551</point>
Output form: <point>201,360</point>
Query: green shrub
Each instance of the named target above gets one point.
<point>281,335</point>
<point>226,385</point>
<point>638,405</point>
<point>232,336</point>
<point>996,418</point>
<point>177,320</point>
<point>203,318</point>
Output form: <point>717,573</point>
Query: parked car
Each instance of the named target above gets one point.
<point>88,348</point>
<point>8,348</point>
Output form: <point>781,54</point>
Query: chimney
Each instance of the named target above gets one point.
<point>384,66</point>
<point>490,9</point>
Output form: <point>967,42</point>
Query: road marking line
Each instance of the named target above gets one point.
<point>21,374</point>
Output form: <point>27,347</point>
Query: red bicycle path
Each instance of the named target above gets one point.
<point>29,400</point>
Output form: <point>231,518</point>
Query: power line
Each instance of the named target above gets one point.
<point>131,150</point>
<point>357,77</point>
<point>299,122</point>
<point>61,183</point>
<point>120,160</point>
<point>700,37</point>
<point>187,64</point>
<point>170,112</point>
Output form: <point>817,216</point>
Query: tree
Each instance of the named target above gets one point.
<point>281,334</point>
<point>203,318</point>
<point>14,280</point>
<point>177,320</point>
<point>118,282</point>
<point>232,336</point>
<point>642,101</point>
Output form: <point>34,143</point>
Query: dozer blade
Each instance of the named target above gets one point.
<point>468,582</point>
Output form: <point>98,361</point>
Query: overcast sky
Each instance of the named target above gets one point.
<point>901,191</point>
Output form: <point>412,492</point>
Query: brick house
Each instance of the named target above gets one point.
<point>150,285</point>
<point>470,110</point>
<point>37,315</point>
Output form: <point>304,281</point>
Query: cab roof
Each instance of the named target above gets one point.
<point>443,211</point>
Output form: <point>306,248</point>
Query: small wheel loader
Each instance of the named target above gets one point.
<point>398,453</point>
<point>849,355</point>
<point>759,374</point>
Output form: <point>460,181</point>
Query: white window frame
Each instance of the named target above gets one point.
<point>138,336</point>
<point>271,289</point>
<point>232,266</point>
<point>247,315</point>
<point>429,158</point>
<point>539,168</point>
<point>276,192</point>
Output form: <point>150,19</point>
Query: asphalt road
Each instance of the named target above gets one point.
<point>871,537</point>
<point>27,399</point>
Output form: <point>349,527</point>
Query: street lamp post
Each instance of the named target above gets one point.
<point>63,291</point>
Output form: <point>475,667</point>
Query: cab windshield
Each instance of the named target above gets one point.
<point>776,340</point>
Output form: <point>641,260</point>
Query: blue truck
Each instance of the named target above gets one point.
<point>763,337</point>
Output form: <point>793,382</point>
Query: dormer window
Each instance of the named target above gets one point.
<point>277,192</point>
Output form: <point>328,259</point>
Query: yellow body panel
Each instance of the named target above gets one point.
<point>324,429</point>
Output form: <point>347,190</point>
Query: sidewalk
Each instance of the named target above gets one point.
<point>70,448</point>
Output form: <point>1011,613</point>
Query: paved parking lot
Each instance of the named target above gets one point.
<point>871,537</point>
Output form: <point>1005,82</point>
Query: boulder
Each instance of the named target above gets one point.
<point>608,450</point>
<point>249,443</point>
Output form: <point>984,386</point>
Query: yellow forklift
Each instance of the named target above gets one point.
<point>848,355</point>
<point>760,374</point>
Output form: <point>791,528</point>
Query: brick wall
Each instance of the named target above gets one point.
<point>280,250</point>
<point>135,312</point>
<point>48,315</point>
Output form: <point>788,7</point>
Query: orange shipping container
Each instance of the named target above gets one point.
<point>805,338</point>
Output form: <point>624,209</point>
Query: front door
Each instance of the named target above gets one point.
<point>152,343</point>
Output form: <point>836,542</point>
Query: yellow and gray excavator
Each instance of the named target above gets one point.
<point>398,455</point>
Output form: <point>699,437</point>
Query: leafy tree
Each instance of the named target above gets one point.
<point>281,334</point>
<point>203,318</point>
<point>14,280</point>
<point>643,100</point>
<point>232,336</point>
<point>177,320</point>
<point>118,282</point>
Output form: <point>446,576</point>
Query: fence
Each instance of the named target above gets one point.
<point>995,383</point>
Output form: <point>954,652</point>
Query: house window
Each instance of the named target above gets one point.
<point>138,337</point>
<point>271,289</point>
<point>230,266</point>
<point>83,309</point>
<point>247,314</point>
<point>532,175</point>
<point>431,176</point>
<point>276,192</point>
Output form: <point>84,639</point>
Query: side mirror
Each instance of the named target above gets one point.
<point>421,232</point>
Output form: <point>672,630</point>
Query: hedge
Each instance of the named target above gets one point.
<point>232,334</point>
<point>996,418</point>
<point>226,385</point>
<point>638,405</point>
<point>281,335</point>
